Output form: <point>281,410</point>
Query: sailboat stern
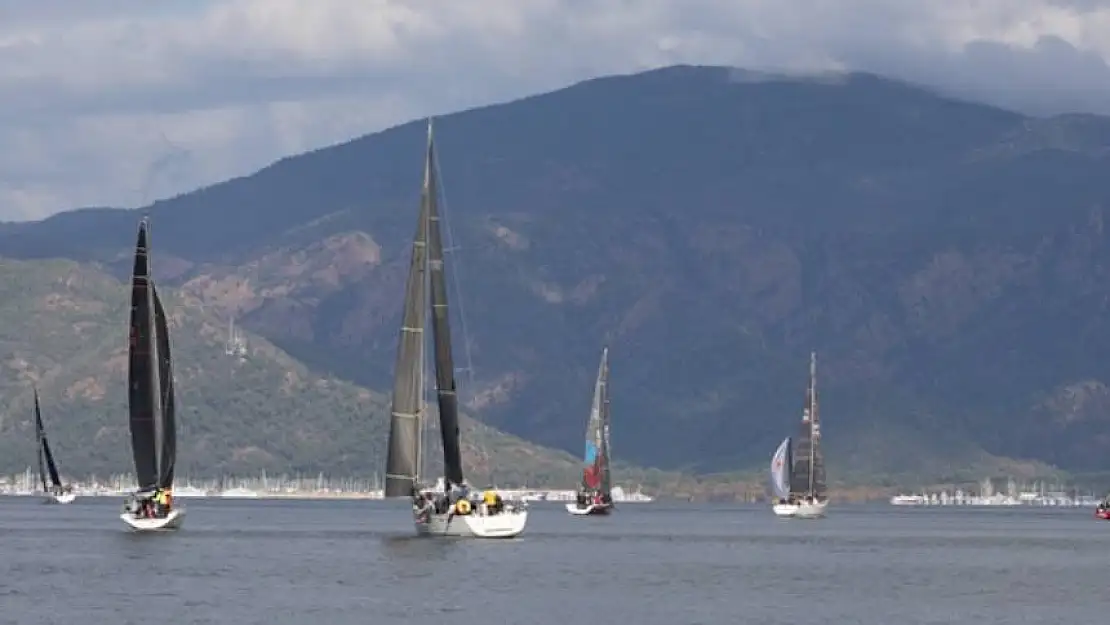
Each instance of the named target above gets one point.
<point>785,510</point>
<point>501,525</point>
<point>593,509</point>
<point>812,509</point>
<point>62,497</point>
<point>171,521</point>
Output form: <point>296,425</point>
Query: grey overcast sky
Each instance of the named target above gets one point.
<point>119,102</point>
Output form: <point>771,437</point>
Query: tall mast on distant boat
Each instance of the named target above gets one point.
<point>812,410</point>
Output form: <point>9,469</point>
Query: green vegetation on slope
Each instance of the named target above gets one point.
<point>63,328</point>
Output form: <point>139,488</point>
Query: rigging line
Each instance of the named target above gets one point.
<point>455,278</point>
<point>456,275</point>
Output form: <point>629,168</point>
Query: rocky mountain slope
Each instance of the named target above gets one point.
<point>947,260</point>
<point>64,331</point>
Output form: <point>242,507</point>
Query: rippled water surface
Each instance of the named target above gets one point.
<point>332,563</point>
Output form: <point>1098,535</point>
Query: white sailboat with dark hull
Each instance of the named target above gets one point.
<point>808,497</point>
<point>150,402</point>
<point>55,491</point>
<point>595,496</point>
<point>447,508</point>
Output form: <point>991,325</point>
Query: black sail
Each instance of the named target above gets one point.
<point>807,475</point>
<point>818,463</point>
<point>165,376</point>
<point>142,375</point>
<point>39,437</point>
<point>800,449</point>
<point>403,455</point>
<point>46,458</point>
<point>441,330</point>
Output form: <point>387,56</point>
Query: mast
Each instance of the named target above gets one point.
<point>817,457</point>
<point>802,452</point>
<point>812,409</point>
<point>403,455</point>
<point>603,384</point>
<point>441,328</point>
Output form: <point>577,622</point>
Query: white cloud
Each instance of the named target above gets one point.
<point>115,102</point>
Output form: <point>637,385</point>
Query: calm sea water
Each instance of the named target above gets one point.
<point>332,563</point>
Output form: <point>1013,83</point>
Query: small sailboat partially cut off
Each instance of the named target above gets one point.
<point>151,402</point>
<point>807,474</point>
<point>780,480</point>
<point>595,495</point>
<point>55,491</point>
<point>1102,510</point>
<point>448,508</point>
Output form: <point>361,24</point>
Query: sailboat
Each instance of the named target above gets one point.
<point>595,495</point>
<point>150,400</point>
<point>445,509</point>
<point>55,492</point>
<point>780,480</point>
<point>807,473</point>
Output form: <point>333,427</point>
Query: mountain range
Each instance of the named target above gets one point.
<point>261,410</point>
<point>947,260</point>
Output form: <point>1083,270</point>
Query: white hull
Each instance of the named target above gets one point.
<point>189,491</point>
<point>502,525</point>
<point>171,521</point>
<point>787,510</point>
<point>239,493</point>
<point>588,510</point>
<point>60,498</point>
<point>811,509</point>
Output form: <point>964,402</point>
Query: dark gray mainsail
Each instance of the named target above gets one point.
<point>807,475</point>
<point>426,285</point>
<point>150,377</point>
<point>441,328</point>
<point>606,450</point>
<point>165,375</point>
<point>46,458</point>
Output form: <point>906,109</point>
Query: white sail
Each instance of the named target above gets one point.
<point>780,470</point>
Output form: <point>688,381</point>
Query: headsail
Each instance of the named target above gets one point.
<point>403,455</point>
<point>595,473</point>
<point>780,470</point>
<point>150,377</point>
<point>46,458</point>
